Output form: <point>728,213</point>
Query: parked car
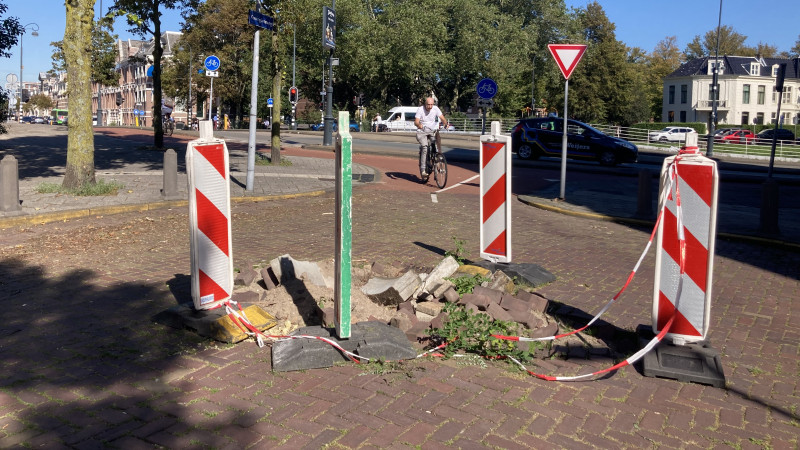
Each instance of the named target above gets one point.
<point>39,120</point>
<point>736,136</point>
<point>765,136</point>
<point>672,134</point>
<point>27,119</point>
<point>532,138</point>
<point>354,127</point>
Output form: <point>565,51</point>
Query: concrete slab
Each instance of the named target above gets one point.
<point>374,340</point>
<point>533,274</point>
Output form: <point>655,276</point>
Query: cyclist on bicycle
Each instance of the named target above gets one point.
<point>425,121</point>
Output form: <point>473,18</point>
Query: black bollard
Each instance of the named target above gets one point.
<point>9,184</point>
<point>644,200</point>
<point>769,208</point>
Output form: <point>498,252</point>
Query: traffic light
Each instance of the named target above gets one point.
<point>293,95</point>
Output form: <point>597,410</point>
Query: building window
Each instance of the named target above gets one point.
<point>713,94</point>
<point>672,95</point>
<point>772,118</point>
<point>684,93</point>
<point>775,70</point>
<point>745,118</point>
<point>683,116</point>
<point>762,94</point>
<point>787,94</point>
<point>671,116</point>
<point>755,69</point>
<point>759,118</point>
<point>746,94</point>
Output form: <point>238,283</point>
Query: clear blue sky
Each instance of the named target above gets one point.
<point>640,23</point>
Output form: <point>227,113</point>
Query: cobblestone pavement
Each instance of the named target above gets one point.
<point>85,366</point>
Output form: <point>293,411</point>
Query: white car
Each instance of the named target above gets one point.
<point>672,134</point>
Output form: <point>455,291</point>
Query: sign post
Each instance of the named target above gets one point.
<point>567,57</point>
<point>487,89</point>
<point>344,227</point>
<point>212,66</point>
<point>328,42</point>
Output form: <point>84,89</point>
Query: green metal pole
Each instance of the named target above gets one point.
<point>344,226</point>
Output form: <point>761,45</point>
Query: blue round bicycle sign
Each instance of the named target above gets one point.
<point>212,63</point>
<point>487,88</point>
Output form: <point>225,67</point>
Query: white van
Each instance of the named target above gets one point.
<point>399,118</point>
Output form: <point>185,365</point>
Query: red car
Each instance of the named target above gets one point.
<point>737,136</point>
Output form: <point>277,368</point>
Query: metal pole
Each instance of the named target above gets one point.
<point>327,136</point>
<point>19,101</point>
<point>251,142</point>
<point>564,145</point>
<point>533,85</point>
<point>294,59</point>
<point>189,101</point>
<point>211,99</point>
<point>714,90</point>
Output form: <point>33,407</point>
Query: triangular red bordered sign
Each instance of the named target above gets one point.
<point>567,56</point>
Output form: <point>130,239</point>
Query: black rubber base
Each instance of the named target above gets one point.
<point>696,362</point>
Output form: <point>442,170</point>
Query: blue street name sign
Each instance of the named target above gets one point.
<point>260,20</point>
<point>211,63</point>
<point>487,88</point>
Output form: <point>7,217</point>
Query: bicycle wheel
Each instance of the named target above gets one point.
<point>167,130</point>
<point>440,170</point>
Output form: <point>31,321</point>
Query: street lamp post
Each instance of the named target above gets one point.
<point>714,90</point>
<point>35,32</point>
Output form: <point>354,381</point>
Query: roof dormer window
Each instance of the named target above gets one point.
<point>755,68</point>
<point>775,70</point>
<point>715,64</point>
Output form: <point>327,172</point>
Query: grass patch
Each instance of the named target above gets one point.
<point>101,187</point>
<point>264,160</point>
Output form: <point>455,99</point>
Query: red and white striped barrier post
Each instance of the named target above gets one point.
<point>685,245</point>
<point>495,205</point>
<point>209,219</point>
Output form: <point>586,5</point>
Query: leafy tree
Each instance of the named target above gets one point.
<point>730,43</point>
<point>795,51</point>
<point>144,19</point>
<point>665,59</point>
<point>10,30</point>
<point>601,83</point>
<point>42,102</point>
<point>103,54</point>
<point>77,53</point>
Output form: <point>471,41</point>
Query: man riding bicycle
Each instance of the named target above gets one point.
<point>425,121</point>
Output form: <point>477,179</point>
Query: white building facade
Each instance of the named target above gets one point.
<point>747,93</point>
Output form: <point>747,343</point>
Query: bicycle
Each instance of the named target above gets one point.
<point>169,127</point>
<point>435,163</point>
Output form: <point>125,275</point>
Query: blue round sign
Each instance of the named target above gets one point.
<point>487,88</point>
<point>135,112</point>
<point>269,102</point>
<point>211,63</point>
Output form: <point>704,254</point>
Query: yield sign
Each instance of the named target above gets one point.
<point>567,56</point>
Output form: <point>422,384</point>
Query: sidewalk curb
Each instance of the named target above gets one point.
<point>642,222</point>
<point>58,216</point>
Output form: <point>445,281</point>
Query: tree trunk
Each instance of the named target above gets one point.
<point>77,55</point>
<point>275,144</point>
<point>158,129</point>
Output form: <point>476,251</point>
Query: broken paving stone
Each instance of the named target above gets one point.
<point>548,330</point>
<point>442,288</point>
<point>451,296</point>
<point>287,268</point>
<point>478,300</point>
<point>509,302</point>
<point>536,301</point>
<point>423,317</point>
<point>439,321</point>
<point>430,308</point>
<point>404,320</point>
<point>269,278</point>
<point>502,282</point>
<point>492,294</point>
<point>391,291</point>
<point>245,297</point>
<point>245,277</point>
<point>498,313</point>
<point>445,268</point>
<point>329,317</point>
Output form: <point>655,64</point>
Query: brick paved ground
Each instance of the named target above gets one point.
<point>84,365</point>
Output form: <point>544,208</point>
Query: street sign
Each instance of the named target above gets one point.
<point>211,63</point>
<point>260,20</point>
<point>135,112</point>
<point>567,56</point>
<point>269,102</point>
<point>212,73</point>
<point>328,28</point>
<point>485,102</point>
<point>487,88</point>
